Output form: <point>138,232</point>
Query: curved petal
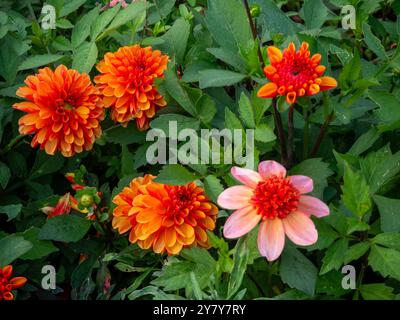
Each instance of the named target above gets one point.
<point>236,197</point>
<point>241,222</point>
<point>246,176</point>
<point>303,184</point>
<point>300,229</point>
<point>274,54</point>
<point>271,239</point>
<point>312,206</point>
<point>270,168</point>
<point>327,83</point>
<point>268,90</point>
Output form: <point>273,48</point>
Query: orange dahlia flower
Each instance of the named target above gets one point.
<point>64,111</point>
<point>162,217</point>
<point>7,284</point>
<point>126,81</point>
<point>294,74</point>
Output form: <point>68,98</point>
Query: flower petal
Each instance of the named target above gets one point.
<point>312,206</point>
<point>236,197</point>
<point>270,168</point>
<point>268,91</point>
<point>274,54</point>
<point>327,83</point>
<point>241,222</point>
<point>271,239</point>
<point>300,229</point>
<point>246,176</point>
<point>302,183</point>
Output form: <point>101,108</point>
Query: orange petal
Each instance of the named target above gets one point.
<point>327,83</point>
<point>7,271</point>
<point>268,91</point>
<point>314,89</point>
<point>291,97</point>
<point>18,282</point>
<point>274,54</point>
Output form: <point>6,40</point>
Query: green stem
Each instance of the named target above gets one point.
<point>306,133</point>
<point>290,146</point>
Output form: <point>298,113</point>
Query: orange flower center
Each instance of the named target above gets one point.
<point>275,197</point>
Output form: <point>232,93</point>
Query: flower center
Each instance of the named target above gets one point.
<point>180,199</point>
<point>275,197</point>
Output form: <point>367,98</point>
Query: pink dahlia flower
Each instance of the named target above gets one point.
<point>278,201</point>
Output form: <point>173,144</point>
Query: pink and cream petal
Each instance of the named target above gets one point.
<point>271,168</point>
<point>246,176</point>
<point>236,197</point>
<point>302,183</point>
<point>241,222</point>
<point>271,238</point>
<point>312,206</point>
<point>300,229</point>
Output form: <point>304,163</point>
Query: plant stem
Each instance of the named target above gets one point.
<point>321,134</point>
<point>12,144</point>
<point>281,132</point>
<point>306,132</point>
<point>254,31</point>
<point>290,145</point>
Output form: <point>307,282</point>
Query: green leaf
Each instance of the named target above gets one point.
<point>176,40</point>
<point>231,120</point>
<point>85,57</point>
<point>175,174</point>
<point>388,111</point>
<point>45,164</point>
<point>351,71</point>
<point>219,78</point>
<point>373,42</point>
<point>101,22</point>
<point>297,271</point>
<point>334,256</point>
<point>71,6</point>
<point>240,261</point>
<point>163,121</point>
<point>5,175</point>
<point>246,111</point>
<point>385,261</point>
<point>127,14</point>
<point>356,192</point>
<point>315,13</point>
<point>388,239</point>
<point>33,62</point>
<point>354,224</point>
<point>82,28</point>
<point>213,187</point>
<point>12,247</point>
<point>264,133</point>
<point>11,210</point>
<point>356,251</point>
<point>364,142</point>
<point>65,228</point>
<point>127,162</point>
<point>376,291</point>
<point>125,136</point>
<point>317,170</point>
<point>40,249</point>
<point>178,92</point>
<point>389,210</point>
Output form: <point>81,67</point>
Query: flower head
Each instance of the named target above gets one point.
<point>126,81</point>
<point>294,74</point>
<point>63,110</point>
<point>162,217</point>
<point>278,201</point>
<point>7,284</point>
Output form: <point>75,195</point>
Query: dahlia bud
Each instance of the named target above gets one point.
<point>86,200</point>
<point>255,10</point>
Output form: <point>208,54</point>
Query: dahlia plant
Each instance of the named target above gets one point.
<point>123,129</point>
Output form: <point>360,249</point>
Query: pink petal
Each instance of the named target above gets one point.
<point>312,206</point>
<point>246,176</point>
<point>241,222</point>
<point>302,183</point>
<point>236,197</point>
<point>271,168</point>
<point>300,229</point>
<point>271,239</point>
